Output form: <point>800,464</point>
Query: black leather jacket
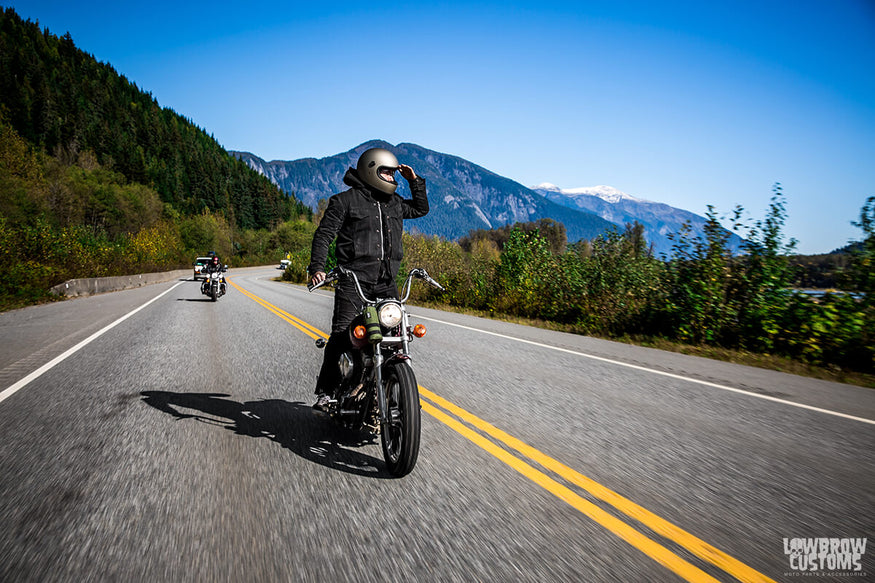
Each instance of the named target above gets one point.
<point>368,228</point>
<point>210,268</point>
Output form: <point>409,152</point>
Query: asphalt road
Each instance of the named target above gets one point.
<point>179,444</point>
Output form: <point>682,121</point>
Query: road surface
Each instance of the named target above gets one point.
<point>153,435</point>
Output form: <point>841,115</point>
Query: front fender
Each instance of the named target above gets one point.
<point>395,359</point>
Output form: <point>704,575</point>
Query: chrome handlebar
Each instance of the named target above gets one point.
<point>341,272</point>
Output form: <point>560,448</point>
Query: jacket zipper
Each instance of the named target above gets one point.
<point>382,239</point>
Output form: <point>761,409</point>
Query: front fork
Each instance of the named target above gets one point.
<point>382,397</point>
<point>382,404</point>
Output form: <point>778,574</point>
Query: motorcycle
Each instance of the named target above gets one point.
<point>378,390</point>
<point>214,284</point>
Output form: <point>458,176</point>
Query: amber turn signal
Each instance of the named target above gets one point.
<point>359,332</point>
<point>419,330</point>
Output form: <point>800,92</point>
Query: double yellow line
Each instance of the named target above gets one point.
<point>301,325</point>
<point>488,437</point>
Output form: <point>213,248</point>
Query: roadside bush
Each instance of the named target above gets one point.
<point>696,285</point>
<point>484,259</point>
<point>156,248</point>
<point>764,274</point>
<point>611,290</point>
<point>296,272</point>
<point>291,236</point>
<point>526,278</point>
<point>445,262</point>
<point>252,246</point>
<point>861,272</point>
<point>206,232</point>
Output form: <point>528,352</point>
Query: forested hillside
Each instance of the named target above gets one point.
<point>97,179</point>
<point>63,101</point>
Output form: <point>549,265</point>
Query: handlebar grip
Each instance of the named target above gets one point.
<point>311,287</point>
<point>424,276</point>
<point>331,277</point>
<point>432,282</point>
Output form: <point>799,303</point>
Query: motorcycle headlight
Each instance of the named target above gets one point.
<point>390,315</point>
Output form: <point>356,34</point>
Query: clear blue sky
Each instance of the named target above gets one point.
<point>682,102</point>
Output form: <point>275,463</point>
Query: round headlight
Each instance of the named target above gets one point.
<point>390,315</point>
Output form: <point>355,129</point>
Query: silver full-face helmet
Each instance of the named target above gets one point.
<point>376,168</point>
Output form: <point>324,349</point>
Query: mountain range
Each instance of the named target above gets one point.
<point>659,219</point>
<point>464,196</point>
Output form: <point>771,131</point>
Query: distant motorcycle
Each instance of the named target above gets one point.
<point>214,284</point>
<point>378,390</point>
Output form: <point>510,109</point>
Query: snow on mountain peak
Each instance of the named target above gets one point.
<point>547,186</point>
<point>606,193</point>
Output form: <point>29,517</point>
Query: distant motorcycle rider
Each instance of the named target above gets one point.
<point>214,266</point>
<point>367,221</point>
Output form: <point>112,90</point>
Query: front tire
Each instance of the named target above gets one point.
<point>214,292</point>
<point>400,436</point>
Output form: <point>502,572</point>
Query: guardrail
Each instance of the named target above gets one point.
<point>98,285</point>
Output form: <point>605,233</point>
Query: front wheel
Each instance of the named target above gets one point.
<point>400,436</point>
<point>214,291</point>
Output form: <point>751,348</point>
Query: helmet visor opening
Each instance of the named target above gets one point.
<point>387,173</point>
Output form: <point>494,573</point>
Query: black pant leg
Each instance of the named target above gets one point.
<point>346,306</point>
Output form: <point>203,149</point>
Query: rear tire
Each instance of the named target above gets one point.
<point>400,436</point>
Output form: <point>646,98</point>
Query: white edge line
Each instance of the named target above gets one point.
<point>654,371</point>
<point>11,390</point>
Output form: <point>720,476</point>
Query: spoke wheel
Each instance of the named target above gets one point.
<point>400,436</point>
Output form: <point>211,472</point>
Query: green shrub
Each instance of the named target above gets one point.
<point>445,262</point>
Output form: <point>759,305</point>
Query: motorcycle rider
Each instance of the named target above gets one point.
<point>213,266</point>
<point>367,221</point>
